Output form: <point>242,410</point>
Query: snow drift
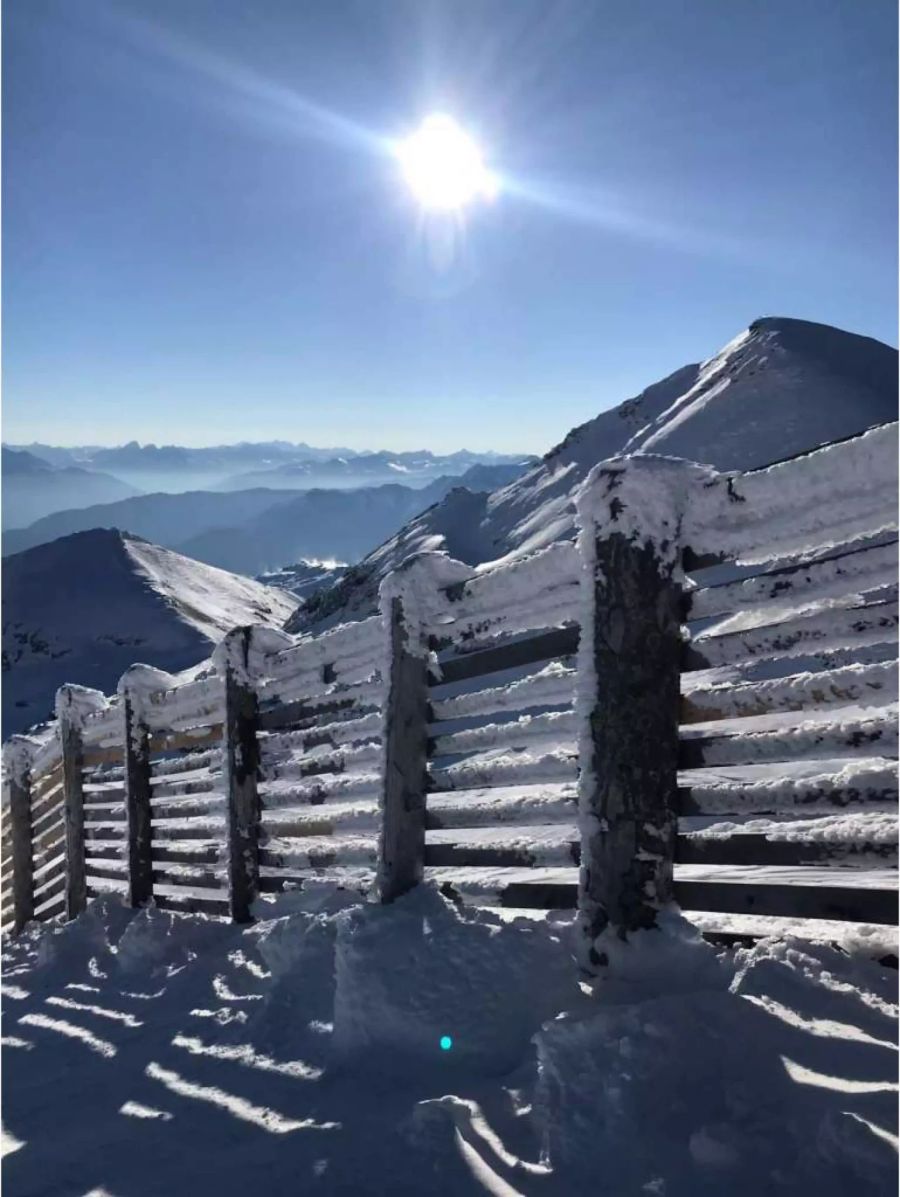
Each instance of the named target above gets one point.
<point>151,1053</point>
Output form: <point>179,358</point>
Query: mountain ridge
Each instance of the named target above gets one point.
<point>154,606</point>
<point>781,387</point>
<point>33,488</point>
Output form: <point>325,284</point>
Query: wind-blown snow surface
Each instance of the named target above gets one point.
<point>86,607</point>
<point>780,388</point>
<point>152,1053</point>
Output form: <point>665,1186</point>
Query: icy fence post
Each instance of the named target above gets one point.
<point>17,757</point>
<point>241,769</point>
<point>73,704</point>
<point>239,659</point>
<point>138,832</point>
<point>630,514</point>
<point>401,838</point>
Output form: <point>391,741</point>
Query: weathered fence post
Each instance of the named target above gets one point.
<point>630,514</point>
<point>401,840</point>
<point>18,753</point>
<point>238,658</point>
<point>73,704</point>
<point>136,758</point>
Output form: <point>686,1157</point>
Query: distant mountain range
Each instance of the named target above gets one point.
<point>781,387</point>
<point>278,465</point>
<point>87,606</point>
<point>33,487</point>
<point>410,469</point>
<point>252,531</point>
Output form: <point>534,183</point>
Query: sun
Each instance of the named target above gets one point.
<point>443,166</point>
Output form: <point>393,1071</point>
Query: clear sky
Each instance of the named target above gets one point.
<point>206,239</point>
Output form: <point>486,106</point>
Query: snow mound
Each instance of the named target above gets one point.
<point>778,1080</point>
<point>150,1052</point>
<point>422,971</point>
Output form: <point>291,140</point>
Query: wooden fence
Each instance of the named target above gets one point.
<point>695,701</point>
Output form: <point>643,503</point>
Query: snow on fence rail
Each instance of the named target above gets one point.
<point>694,702</point>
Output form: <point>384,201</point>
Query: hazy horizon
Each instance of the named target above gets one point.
<point>437,451</point>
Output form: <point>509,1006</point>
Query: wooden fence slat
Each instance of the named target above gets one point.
<point>192,905</point>
<point>757,849</point>
<point>845,903</point>
<point>854,569</point>
<point>815,632</point>
<point>302,714</point>
<point>531,650</point>
<point>872,684</point>
<point>867,734</point>
<point>761,799</point>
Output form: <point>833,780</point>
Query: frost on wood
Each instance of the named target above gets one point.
<point>723,694</point>
<point>75,703</point>
<point>837,494</point>
<point>628,692</point>
<point>417,584</point>
<point>401,842</point>
<point>552,685</point>
<point>244,651</point>
<point>518,595</point>
<point>136,689</point>
<point>18,755</point>
<point>642,499</point>
<point>791,785</point>
<point>406,597</point>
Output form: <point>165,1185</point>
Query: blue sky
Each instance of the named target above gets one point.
<point>205,240</point>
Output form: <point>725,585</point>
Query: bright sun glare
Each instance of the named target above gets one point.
<point>444,167</point>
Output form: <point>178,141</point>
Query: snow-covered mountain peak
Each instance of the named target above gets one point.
<point>87,606</point>
<point>781,387</point>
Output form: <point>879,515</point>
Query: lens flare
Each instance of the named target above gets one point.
<point>443,166</point>
<point>446,1043</point>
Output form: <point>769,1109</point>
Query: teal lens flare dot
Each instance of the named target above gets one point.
<point>446,1043</point>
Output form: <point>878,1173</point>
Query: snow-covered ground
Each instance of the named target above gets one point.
<point>152,1053</point>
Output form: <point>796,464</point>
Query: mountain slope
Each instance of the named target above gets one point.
<point>21,462</point>
<point>33,488</point>
<point>782,387</point>
<point>327,524</point>
<point>84,608</point>
<point>164,518</point>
